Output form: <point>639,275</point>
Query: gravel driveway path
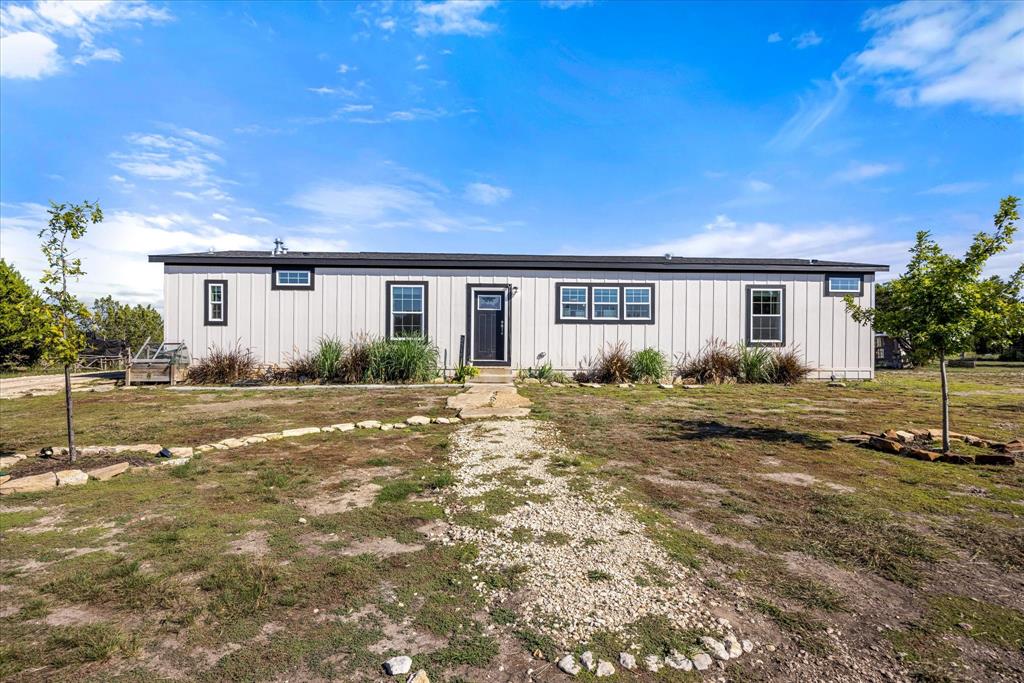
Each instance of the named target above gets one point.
<point>581,563</point>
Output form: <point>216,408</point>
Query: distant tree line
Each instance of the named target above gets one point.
<point>111,323</point>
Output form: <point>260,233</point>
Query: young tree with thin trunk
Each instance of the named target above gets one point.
<point>61,312</point>
<point>941,304</point>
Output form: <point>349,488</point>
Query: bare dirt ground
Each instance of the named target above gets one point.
<point>46,385</point>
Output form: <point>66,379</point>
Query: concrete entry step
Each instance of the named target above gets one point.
<point>493,375</point>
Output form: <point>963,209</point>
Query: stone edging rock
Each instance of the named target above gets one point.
<point>179,455</point>
<point>910,443</point>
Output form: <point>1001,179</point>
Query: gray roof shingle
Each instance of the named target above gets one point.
<point>510,261</point>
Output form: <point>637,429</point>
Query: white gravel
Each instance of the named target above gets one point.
<point>556,596</point>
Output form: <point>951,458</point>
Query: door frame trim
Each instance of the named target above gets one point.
<point>506,290</point>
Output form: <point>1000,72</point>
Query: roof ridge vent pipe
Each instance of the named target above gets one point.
<point>279,248</point>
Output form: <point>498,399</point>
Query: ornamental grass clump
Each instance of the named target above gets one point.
<point>756,364</point>
<point>224,366</point>
<point>613,364</point>
<point>329,359</point>
<point>401,360</point>
<point>715,363</point>
<point>788,367</point>
<point>647,365</point>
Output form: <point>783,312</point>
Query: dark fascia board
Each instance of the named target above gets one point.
<point>492,262</point>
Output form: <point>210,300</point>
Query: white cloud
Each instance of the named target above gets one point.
<point>775,37</point>
<point>219,217</point>
<point>566,4</point>
<point>114,252</point>
<point>755,185</point>
<point>858,171</point>
<point>28,55</point>
<point>29,33</point>
<point>451,17</point>
<point>721,221</point>
<point>106,54</point>
<point>807,39</point>
<point>186,161</point>
<point>814,109</point>
<point>964,187</point>
<point>488,195</point>
<point>375,206</point>
<point>726,237</point>
<point>945,53</point>
<point>387,24</point>
<point>323,90</point>
<point>345,68</point>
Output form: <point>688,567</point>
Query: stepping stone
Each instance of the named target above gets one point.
<point>36,482</point>
<point>71,477</point>
<point>108,472</point>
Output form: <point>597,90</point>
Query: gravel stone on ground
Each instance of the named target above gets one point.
<point>556,592</point>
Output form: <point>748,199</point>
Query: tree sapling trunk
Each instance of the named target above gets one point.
<point>72,455</point>
<point>945,403</point>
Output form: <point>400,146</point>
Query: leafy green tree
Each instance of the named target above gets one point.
<point>131,325</point>
<point>941,305</point>
<point>20,333</point>
<point>995,333</point>
<point>61,312</point>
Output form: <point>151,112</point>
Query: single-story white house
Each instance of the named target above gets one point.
<point>518,311</point>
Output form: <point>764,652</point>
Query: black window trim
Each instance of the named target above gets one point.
<point>828,288</point>
<point>387,304</point>
<point>590,319</point>
<point>206,303</point>
<point>748,314</point>
<point>292,288</point>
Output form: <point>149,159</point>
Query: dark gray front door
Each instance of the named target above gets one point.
<point>488,325</point>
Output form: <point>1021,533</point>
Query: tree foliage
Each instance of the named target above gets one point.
<point>20,331</point>
<point>941,305</point>
<point>130,325</point>
<point>62,312</point>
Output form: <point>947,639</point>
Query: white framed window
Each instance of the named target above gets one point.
<point>293,278</point>
<point>606,303</point>
<point>765,311</point>
<point>844,284</point>
<point>573,303</point>
<point>407,309</point>
<point>215,295</point>
<point>637,302</point>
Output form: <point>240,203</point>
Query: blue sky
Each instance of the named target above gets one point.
<point>828,130</point>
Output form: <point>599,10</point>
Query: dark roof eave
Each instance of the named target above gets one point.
<point>522,263</point>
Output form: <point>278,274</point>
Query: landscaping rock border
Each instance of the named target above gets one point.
<point>910,443</point>
<point>179,455</point>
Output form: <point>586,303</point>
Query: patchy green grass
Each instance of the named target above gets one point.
<point>860,540</point>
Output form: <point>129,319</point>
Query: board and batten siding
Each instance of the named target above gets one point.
<point>689,308</point>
